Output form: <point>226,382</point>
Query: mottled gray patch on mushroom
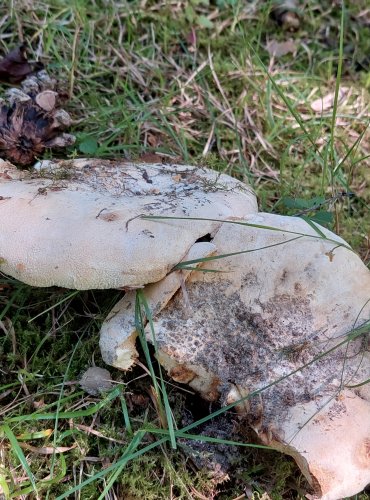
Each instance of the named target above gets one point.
<point>237,344</point>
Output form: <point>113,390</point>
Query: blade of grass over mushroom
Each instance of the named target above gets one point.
<point>142,302</point>
<point>140,323</point>
<point>130,66</point>
<point>200,269</point>
<point>183,265</point>
<point>121,463</point>
<point>365,382</point>
<point>351,335</point>
<point>312,224</point>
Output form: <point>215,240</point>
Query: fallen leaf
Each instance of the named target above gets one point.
<point>192,38</point>
<point>14,67</point>
<point>205,22</point>
<point>150,158</point>
<point>278,49</point>
<point>88,146</point>
<point>26,436</point>
<point>89,430</point>
<point>327,102</point>
<point>47,450</point>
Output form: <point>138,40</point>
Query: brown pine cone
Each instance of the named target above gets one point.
<point>30,121</point>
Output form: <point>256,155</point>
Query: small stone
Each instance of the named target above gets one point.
<point>96,380</point>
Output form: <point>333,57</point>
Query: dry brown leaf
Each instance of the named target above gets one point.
<point>89,430</point>
<point>327,102</point>
<point>278,49</point>
<point>46,450</point>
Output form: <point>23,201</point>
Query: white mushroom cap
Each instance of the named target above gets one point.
<point>333,448</point>
<point>297,293</point>
<point>77,223</point>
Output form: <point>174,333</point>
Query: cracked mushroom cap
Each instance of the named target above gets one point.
<point>77,224</point>
<point>273,311</point>
<point>273,328</point>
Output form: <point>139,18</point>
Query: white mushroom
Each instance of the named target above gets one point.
<point>77,223</point>
<point>278,328</point>
<point>281,332</point>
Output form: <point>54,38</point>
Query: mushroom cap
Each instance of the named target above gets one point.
<point>272,328</point>
<point>77,223</point>
<point>333,448</point>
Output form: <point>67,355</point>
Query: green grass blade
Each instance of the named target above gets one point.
<point>19,452</point>
<point>314,226</point>
<point>336,93</point>
<point>281,94</point>
<point>126,416</point>
<point>124,459</point>
<point>169,417</point>
<point>68,414</point>
<point>131,448</point>
<point>67,297</point>
<point>318,232</point>
<point>184,264</point>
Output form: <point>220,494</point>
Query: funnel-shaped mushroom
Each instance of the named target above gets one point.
<point>284,326</point>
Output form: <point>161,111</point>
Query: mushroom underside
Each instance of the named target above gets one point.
<point>282,333</point>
